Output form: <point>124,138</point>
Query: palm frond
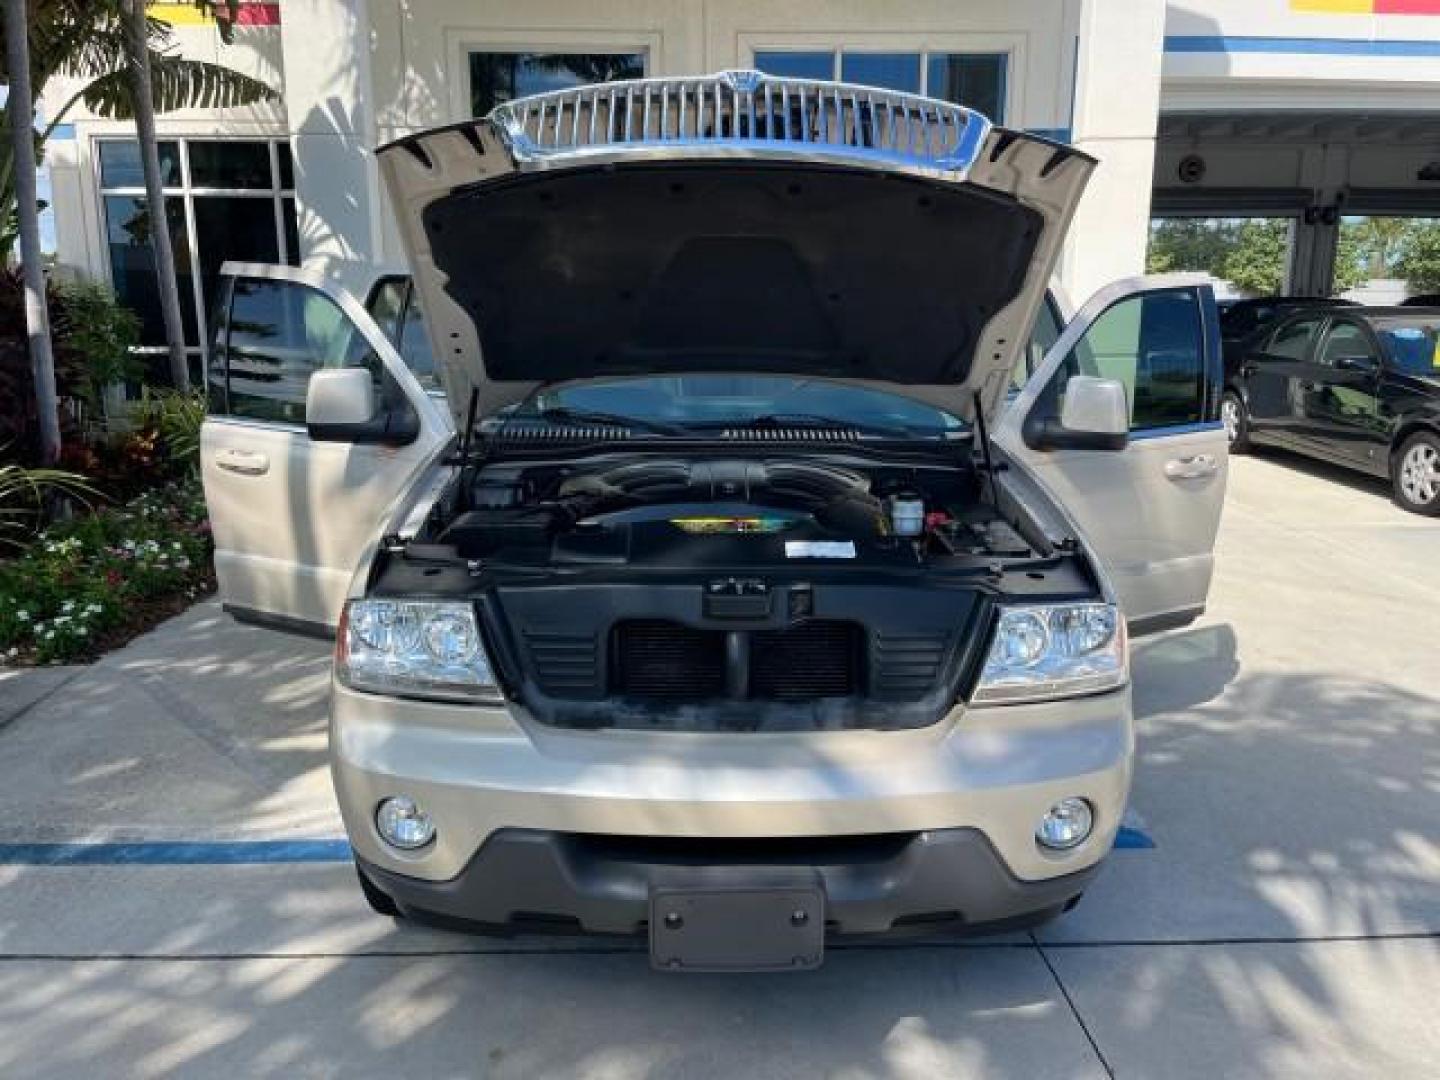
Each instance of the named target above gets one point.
<point>22,495</point>
<point>176,83</point>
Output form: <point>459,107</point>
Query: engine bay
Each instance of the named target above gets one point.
<point>770,591</point>
<point>697,510</point>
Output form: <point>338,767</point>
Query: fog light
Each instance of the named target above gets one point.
<point>1065,824</point>
<point>403,824</point>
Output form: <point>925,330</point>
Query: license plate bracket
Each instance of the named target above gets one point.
<point>743,927</point>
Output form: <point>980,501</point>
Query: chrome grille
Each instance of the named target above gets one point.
<point>746,110</point>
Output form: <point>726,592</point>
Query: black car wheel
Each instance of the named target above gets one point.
<point>1415,472</point>
<point>1236,421</point>
<point>379,902</point>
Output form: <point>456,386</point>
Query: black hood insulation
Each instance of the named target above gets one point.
<point>635,269</point>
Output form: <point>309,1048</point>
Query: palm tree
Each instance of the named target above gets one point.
<point>142,97</point>
<point>19,108</point>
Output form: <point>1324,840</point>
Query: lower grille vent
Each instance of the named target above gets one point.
<point>811,660</point>
<point>668,662</point>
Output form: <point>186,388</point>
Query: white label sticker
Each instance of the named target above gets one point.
<point>819,549</point>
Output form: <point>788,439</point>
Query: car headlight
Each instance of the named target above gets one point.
<point>415,648</point>
<point>1045,651</point>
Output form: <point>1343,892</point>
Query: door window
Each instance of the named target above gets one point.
<point>395,308</point>
<point>276,334</point>
<point>1154,344</point>
<point>1292,341</point>
<point>414,344</point>
<point>1346,340</point>
<point>387,305</point>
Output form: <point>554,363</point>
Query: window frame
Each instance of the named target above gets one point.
<point>1009,47</point>
<point>276,193</point>
<point>461,43</point>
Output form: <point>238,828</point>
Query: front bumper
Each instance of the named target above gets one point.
<point>529,879</point>
<point>479,770</point>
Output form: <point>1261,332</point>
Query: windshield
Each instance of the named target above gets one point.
<point>1414,345</point>
<point>683,402</point>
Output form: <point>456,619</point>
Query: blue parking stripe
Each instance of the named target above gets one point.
<point>1130,839</point>
<point>255,852</point>
<point>176,853</point>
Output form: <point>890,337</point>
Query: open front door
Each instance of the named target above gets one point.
<point>1151,509</point>
<point>293,511</point>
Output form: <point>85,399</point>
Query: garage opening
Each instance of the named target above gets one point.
<point>1302,203</point>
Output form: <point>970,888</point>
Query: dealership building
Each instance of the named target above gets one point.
<point>1311,112</point>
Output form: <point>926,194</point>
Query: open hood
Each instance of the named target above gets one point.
<point>732,223</point>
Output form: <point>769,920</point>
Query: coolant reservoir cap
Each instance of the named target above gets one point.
<point>907,515</point>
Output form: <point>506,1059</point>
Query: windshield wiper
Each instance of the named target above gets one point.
<point>560,414</point>
<point>812,420</point>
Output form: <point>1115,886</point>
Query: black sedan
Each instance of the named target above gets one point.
<point>1359,386</point>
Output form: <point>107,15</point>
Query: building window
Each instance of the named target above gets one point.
<point>975,80</point>
<point>498,77</point>
<point>224,198</point>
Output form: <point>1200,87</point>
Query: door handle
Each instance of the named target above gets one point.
<point>244,462</point>
<point>1192,468</point>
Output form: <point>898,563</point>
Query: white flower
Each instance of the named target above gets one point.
<point>69,605</point>
<point>93,609</point>
<point>22,616</point>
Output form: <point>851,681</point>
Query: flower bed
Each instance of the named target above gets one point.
<point>88,585</point>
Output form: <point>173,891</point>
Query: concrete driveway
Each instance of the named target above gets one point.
<point>1286,921</point>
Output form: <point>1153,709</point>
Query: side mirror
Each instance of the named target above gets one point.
<point>1095,416</point>
<point>339,397</point>
<point>341,406</point>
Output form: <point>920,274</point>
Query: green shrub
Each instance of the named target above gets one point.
<point>88,320</point>
<point>175,417</point>
<point>92,337</point>
<point>88,584</point>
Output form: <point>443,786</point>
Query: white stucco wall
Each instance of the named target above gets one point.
<point>1117,92</point>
